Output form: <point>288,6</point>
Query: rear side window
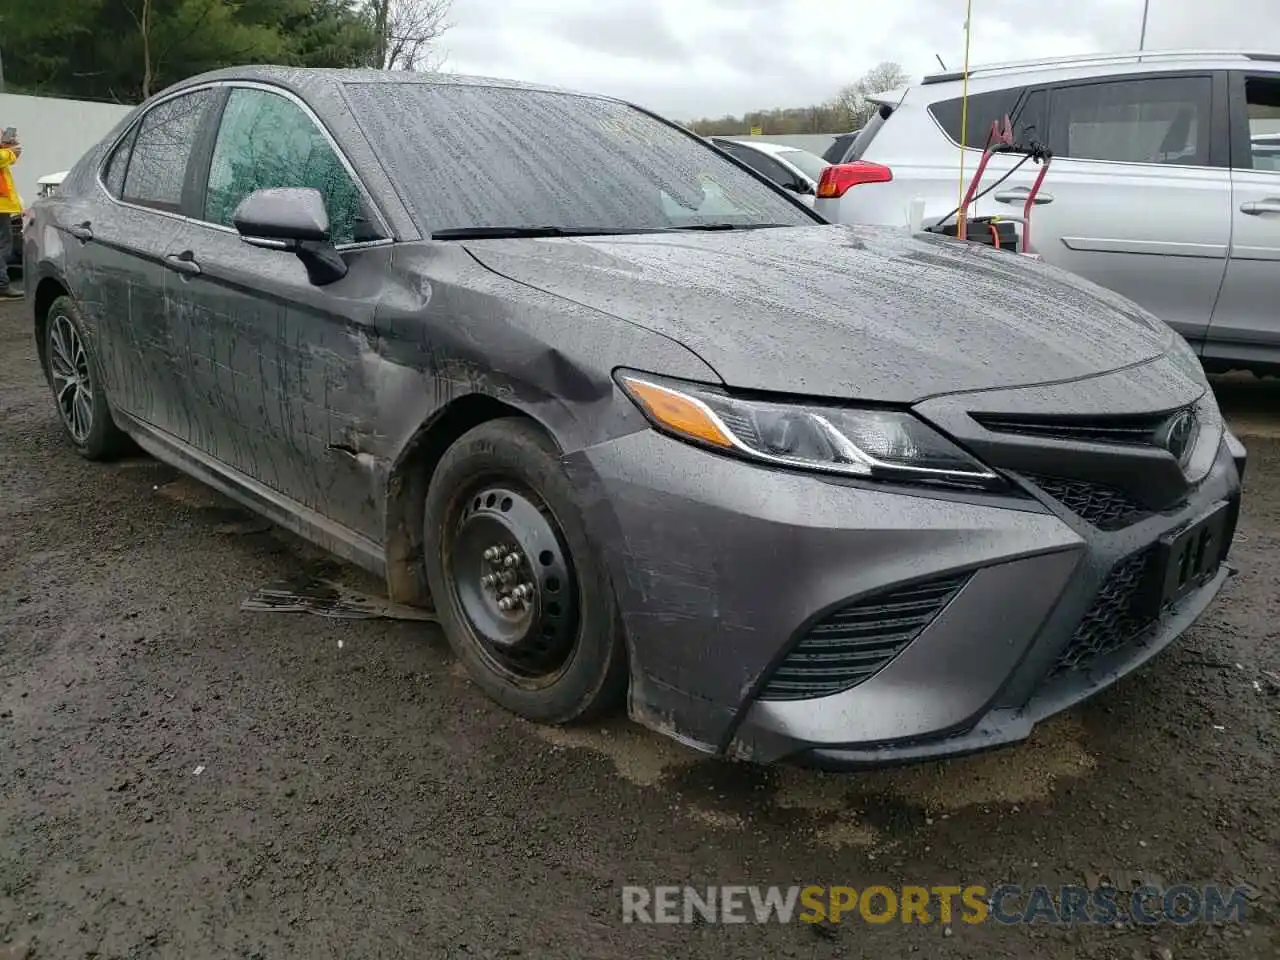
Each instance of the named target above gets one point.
<point>266,140</point>
<point>113,172</point>
<point>984,109</point>
<point>757,161</point>
<point>158,164</point>
<point>1155,120</point>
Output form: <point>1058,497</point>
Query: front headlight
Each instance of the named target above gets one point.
<point>867,442</point>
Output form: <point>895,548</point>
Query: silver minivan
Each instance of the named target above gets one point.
<point>1164,183</point>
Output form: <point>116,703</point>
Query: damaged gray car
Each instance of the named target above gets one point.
<point>633,420</point>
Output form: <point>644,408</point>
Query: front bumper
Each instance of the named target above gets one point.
<point>721,566</point>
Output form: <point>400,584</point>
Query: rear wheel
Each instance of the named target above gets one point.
<point>73,374</point>
<point>523,598</point>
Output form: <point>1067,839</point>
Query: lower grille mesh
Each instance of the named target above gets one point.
<point>1105,507</point>
<point>1110,624</point>
<point>856,641</point>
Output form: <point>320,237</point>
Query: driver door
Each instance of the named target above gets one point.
<point>280,367</point>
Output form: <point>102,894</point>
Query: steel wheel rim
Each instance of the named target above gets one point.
<point>72,384</point>
<point>513,582</point>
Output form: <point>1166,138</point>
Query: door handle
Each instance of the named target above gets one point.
<point>81,231</point>
<point>1256,208</point>
<point>1019,195</point>
<point>184,262</point>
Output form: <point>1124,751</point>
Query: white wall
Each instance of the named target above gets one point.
<point>54,133</point>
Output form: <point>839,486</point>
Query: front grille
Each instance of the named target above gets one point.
<point>1111,622</point>
<point>1138,430</point>
<point>1105,507</point>
<point>856,641</point>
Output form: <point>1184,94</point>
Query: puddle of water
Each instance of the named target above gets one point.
<point>1018,774</point>
<point>191,493</point>
<point>843,834</point>
<point>639,755</point>
<point>716,819</point>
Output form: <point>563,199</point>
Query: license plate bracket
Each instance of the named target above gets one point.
<point>1186,558</point>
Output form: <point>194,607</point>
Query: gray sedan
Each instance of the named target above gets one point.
<point>633,419</point>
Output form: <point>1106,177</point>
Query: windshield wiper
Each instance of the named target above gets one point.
<point>498,233</point>
<point>729,226</point>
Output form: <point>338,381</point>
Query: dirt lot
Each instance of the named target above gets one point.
<point>182,778</point>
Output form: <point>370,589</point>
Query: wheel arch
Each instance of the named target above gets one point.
<point>47,291</point>
<point>408,480</point>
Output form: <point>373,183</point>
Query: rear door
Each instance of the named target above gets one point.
<point>283,372</point>
<point>115,237</point>
<point>1138,197</point>
<point>1246,321</point>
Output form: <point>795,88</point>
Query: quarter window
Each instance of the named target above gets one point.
<point>984,109</point>
<point>157,168</point>
<point>113,174</point>
<point>267,140</point>
<point>1158,120</point>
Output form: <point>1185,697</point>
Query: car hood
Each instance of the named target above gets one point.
<point>844,312</point>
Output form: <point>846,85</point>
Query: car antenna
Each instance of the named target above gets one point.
<point>961,230</point>
<point>940,63</point>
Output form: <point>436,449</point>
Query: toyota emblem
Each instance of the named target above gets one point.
<point>1178,432</point>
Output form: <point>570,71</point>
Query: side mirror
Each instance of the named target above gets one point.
<point>293,219</point>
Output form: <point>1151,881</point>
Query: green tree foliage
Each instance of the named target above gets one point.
<point>125,50</point>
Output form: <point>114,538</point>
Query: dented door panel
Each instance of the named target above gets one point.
<point>273,363</point>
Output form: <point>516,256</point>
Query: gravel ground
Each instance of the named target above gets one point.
<point>182,778</point>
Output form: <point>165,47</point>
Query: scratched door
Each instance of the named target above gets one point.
<point>275,361</point>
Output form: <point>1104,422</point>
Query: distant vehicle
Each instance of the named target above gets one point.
<point>840,146</point>
<point>789,167</point>
<point>638,425</point>
<point>46,186</point>
<point>1157,190</point>
<point>49,183</point>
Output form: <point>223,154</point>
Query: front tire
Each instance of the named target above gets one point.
<point>76,381</point>
<point>522,595</point>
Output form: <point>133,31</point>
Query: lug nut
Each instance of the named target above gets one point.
<point>505,604</point>
<point>491,553</point>
<point>512,559</point>
<point>488,580</point>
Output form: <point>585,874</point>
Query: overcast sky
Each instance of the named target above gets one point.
<point>695,58</point>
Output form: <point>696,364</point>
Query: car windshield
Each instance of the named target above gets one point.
<point>809,164</point>
<point>469,157</point>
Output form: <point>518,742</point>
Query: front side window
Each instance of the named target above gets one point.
<point>468,156</point>
<point>1157,120</point>
<point>157,168</point>
<point>266,140</point>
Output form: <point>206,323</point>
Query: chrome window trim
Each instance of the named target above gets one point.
<point>365,194</point>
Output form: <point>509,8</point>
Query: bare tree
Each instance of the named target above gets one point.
<point>407,31</point>
<point>853,98</point>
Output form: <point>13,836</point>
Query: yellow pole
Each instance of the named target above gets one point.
<point>964,119</point>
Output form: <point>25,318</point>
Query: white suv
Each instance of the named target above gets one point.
<point>1164,183</point>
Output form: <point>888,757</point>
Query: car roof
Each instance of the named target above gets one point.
<point>764,146</point>
<point>302,80</point>
<point>1102,64</point>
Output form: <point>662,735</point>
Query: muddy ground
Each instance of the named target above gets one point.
<point>183,778</point>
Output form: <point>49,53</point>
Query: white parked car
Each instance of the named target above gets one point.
<point>1164,183</point>
<point>789,167</point>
